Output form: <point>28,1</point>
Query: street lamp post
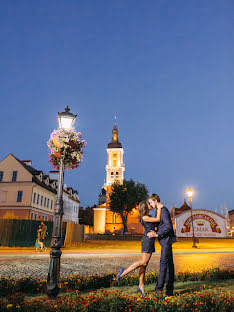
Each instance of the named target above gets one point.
<point>66,120</point>
<point>190,195</point>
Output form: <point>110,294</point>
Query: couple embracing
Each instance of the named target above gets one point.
<point>166,237</point>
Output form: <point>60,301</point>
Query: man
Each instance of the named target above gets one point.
<point>43,233</point>
<point>166,238</point>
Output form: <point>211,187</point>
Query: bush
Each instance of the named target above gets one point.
<point>29,285</point>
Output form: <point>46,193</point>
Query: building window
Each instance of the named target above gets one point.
<point>52,203</point>
<point>34,197</point>
<point>38,199</point>
<point>14,176</point>
<point>46,218</point>
<point>48,203</point>
<point>41,200</point>
<point>3,196</point>
<point>35,216</point>
<point>42,217</point>
<point>1,176</point>
<point>117,174</point>
<point>32,215</point>
<point>19,196</point>
<point>45,200</point>
<point>113,218</point>
<point>112,174</point>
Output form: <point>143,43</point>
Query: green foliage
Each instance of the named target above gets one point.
<point>124,197</point>
<point>27,285</point>
<point>86,215</point>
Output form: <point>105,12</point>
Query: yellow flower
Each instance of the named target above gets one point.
<point>9,306</point>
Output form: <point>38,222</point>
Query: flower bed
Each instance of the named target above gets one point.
<point>28,285</point>
<point>116,301</point>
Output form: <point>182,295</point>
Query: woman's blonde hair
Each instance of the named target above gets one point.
<point>143,210</point>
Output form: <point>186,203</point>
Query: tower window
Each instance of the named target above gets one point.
<point>112,174</point>
<point>114,160</point>
<point>117,174</point>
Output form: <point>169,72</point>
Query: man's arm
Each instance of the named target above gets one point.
<point>166,227</point>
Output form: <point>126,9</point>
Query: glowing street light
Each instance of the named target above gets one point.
<point>66,120</point>
<point>190,196</point>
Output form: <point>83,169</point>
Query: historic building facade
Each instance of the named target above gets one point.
<point>28,193</point>
<point>105,221</point>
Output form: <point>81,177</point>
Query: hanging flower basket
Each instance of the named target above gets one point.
<point>70,141</point>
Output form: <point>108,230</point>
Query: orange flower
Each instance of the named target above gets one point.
<point>57,155</point>
<point>56,143</point>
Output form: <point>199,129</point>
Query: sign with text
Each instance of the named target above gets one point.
<point>205,223</point>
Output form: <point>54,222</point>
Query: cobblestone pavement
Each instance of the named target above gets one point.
<point>37,265</point>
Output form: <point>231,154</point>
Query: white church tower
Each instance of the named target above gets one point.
<point>115,167</point>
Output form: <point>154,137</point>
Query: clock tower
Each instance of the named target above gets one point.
<point>103,217</point>
<point>115,167</point>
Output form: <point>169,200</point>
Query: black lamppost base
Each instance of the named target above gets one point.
<point>53,280</point>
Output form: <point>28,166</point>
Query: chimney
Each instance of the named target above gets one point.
<point>27,162</point>
<point>54,175</point>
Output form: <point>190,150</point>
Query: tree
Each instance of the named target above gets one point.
<point>86,215</point>
<point>124,197</point>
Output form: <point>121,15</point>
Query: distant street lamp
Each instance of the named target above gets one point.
<point>190,195</point>
<point>66,120</point>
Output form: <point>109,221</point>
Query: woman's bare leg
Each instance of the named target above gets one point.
<point>142,275</point>
<point>143,262</point>
<point>41,244</point>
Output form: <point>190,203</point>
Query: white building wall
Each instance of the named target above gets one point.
<point>70,208</point>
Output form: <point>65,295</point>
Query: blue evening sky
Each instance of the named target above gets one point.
<point>164,68</point>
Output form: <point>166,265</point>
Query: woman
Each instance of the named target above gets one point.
<point>147,245</point>
<point>39,242</point>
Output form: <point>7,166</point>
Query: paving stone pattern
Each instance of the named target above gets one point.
<point>37,265</point>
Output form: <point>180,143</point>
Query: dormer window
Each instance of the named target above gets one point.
<point>41,176</point>
<point>47,181</point>
<point>14,176</point>
<point>54,185</point>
